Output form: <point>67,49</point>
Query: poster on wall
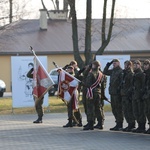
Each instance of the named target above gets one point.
<point>108,58</point>
<point>22,86</point>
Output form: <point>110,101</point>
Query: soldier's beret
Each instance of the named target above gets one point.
<point>116,60</point>
<point>128,62</point>
<point>146,62</point>
<point>137,62</point>
<point>70,67</point>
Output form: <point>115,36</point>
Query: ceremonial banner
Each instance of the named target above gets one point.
<point>67,84</point>
<point>42,82</point>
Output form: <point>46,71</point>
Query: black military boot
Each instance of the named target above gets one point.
<point>129,128</point>
<point>99,125</point>
<point>86,125</point>
<point>69,124</point>
<point>118,127</point>
<point>39,120</point>
<point>89,126</point>
<point>141,129</point>
<point>80,123</point>
<point>147,131</point>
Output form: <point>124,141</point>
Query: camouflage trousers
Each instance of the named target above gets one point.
<point>39,107</point>
<point>127,109</point>
<point>95,108</point>
<point>147,109</point>
<point>73,114</point>
<point>69,109</point>
<point>116,105</point>
<point>84,99</point>
<point>138,110</point>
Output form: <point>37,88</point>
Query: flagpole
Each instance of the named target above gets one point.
<point>65,72</point>
<point>31,48</point>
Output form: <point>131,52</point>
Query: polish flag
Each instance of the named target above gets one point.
<point>41,79</point>
<point>67,85</point>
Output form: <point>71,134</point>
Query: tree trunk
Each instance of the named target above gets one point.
<point>87,52</point>
<point>10,11</point>
<point>77,56</point>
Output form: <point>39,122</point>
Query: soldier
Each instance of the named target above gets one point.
<point>38,103</point>
<point>146,96</point>
<point>86,70</point>
<point>94,104</point>
<point>138,103</point>
<point>75,65</point>
<point>75,116</point>
<point>126,93</point>
<point>78,75</point>
<point>114,90</point>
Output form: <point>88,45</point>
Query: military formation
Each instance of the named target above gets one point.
<point>129,90</point>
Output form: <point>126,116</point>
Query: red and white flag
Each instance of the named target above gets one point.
<point>41,79</point>
<point>67,85</point>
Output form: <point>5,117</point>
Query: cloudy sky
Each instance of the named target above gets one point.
<point>124,8</point>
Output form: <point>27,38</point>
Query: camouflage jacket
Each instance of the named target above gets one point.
<point>91,79</point>
<point>138,83</point>
<point>147,85</point>
<point>115,79</point>
<point>126,83</point>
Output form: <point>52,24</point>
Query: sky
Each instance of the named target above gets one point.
<point>124,8</point>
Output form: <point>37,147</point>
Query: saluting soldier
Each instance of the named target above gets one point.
<point>146,96</point>
<point>94,105</point>
<point>126,93</point>
<point>114,90</point>
<point>138,103</point>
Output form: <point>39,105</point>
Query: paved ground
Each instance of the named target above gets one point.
<point>17,132</point>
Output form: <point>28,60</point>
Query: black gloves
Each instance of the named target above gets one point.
<point>109,63</point>
<point>90,65</point>
<point>31,69</point>
<point>65,67</point>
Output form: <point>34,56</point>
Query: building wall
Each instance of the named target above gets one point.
<point>5,66</point>
<point>5,71</point>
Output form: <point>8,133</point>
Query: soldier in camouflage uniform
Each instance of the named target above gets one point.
<point>126,93</point>
<point>114,90</point>
<point>74,115</point>
<point>94,103</point>
<point>38,103</point>
<point>138,103</point>
<point>146,96</point>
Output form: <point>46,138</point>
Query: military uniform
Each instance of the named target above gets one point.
<point>94,104</point>
<point>114,91</point>
<point>126,93</point>
<point>38,103</point>
<point>138,103</point>
<point>75,116</point>
<point>146,96</point>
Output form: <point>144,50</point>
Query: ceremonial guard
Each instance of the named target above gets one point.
<point>146,96</point>
<point>114,90</point>
<point>38,103</point>
<point>138,103</point>
<point>73,114</point>
<point>126,93</point>
<point>94,103</point>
